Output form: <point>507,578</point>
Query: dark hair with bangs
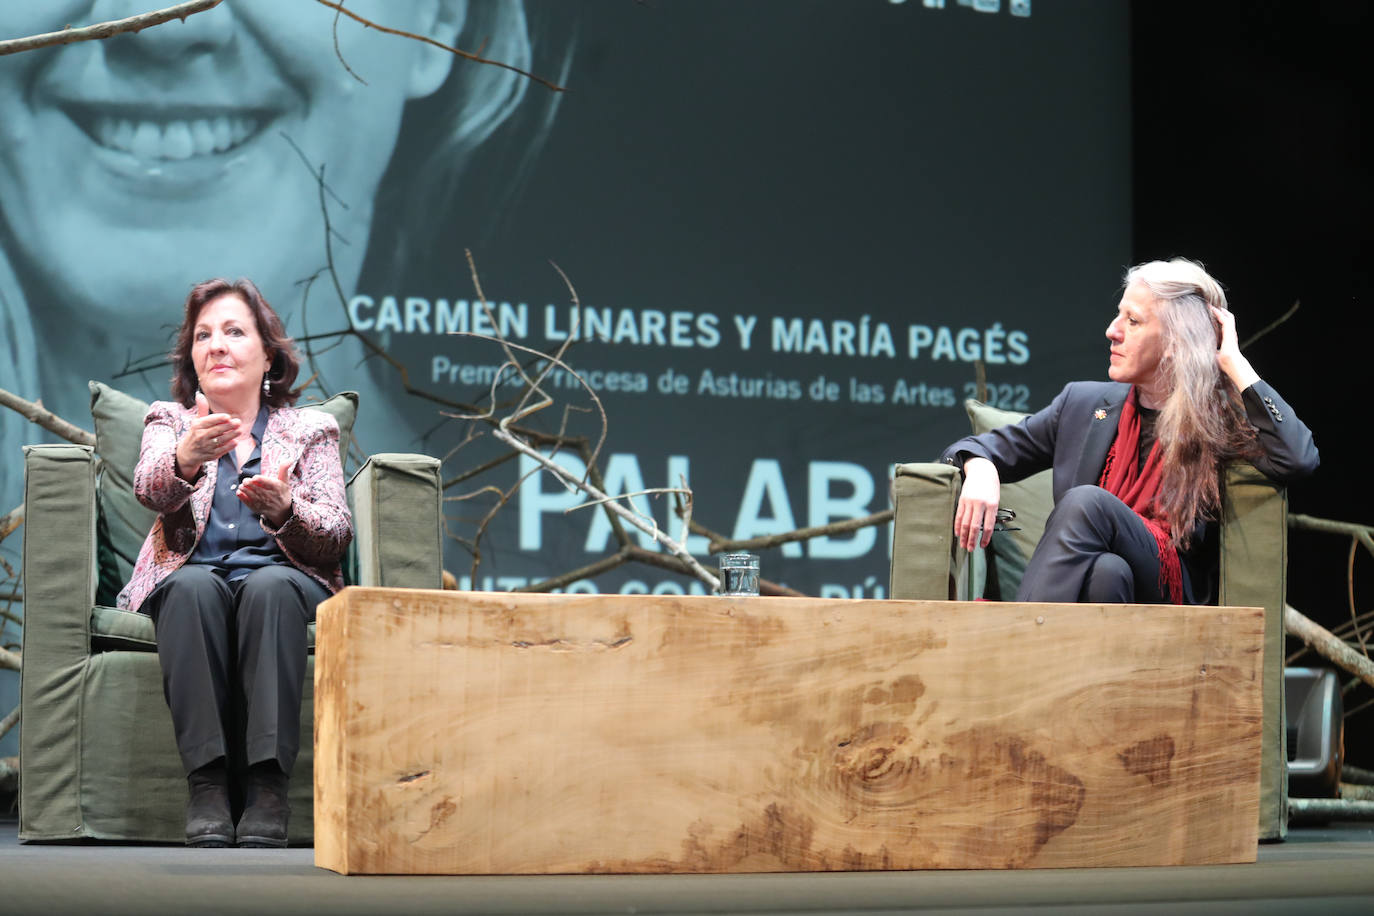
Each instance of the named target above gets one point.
<point>285,362</point>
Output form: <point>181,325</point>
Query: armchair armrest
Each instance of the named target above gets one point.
<point>926,560</point>
<point>59,589</point>
<point>398,530</point>
<point>1254,573</point>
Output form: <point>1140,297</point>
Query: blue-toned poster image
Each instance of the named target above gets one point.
<point>778,240</point>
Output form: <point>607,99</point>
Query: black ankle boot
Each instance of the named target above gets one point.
<point>207,812</point>
<point>266,809</point>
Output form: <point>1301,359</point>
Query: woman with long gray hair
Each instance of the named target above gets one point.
<point>1137,461</point>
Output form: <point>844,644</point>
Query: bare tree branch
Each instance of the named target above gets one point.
<point>1273,324</point>
<point>107,29</point>
<point>572,483</point>
<point>425,39</point>
<point>606,564</point>
<point>479,470</point>
<point>1351,791</point>
<point>35,412</point>
<point>720,542</point>
<point>11,521</point>
<point>1325,644</point>
<point>10,659</point>
<point>1330,809</point>
<point>10,721</point>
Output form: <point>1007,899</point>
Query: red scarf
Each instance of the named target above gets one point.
<point>1137,487</point>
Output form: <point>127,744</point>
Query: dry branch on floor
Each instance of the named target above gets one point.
<point>1327,645</point>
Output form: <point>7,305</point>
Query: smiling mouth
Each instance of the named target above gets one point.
<point>167,137</point>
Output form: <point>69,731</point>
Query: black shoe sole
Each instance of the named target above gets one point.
<point>260,842</point>
<point>210,842</point>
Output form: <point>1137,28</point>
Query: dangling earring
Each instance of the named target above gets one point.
<point>266,387</point>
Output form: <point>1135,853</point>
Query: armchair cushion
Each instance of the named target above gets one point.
<point>1032,498</point>
<point>122,522</point>
<point>113,630</point>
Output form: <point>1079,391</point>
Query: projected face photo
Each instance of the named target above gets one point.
<point>122,155</point>
<point>132,167</point>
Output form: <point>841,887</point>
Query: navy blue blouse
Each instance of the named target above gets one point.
<point>234,543</point>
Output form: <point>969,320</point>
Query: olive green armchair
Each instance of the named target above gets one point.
<point>98,757</point>
<point>927,563</point>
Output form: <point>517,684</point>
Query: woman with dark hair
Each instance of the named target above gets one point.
<point>1137,461</point>
<point>252,523</point>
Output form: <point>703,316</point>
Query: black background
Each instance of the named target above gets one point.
<point>1251,153</point>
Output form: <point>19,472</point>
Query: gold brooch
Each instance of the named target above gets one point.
<point>1099,414</point>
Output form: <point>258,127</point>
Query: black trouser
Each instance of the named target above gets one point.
<point>1095,549</point>
<point>233,661</point>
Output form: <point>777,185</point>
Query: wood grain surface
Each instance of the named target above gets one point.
<point>492,733</point>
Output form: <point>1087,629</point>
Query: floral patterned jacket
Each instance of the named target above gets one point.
<point>313,538</point>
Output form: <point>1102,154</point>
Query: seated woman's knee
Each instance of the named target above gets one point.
<point>192,575</point>
<point>1079,512</point>
<point>268,579</point>
<point>1082,499</point>
<point>1110,580</point>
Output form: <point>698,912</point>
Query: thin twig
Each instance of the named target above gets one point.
<point>466,55</point>
<point>651,491</point>
<point>338,51</point>
<point>606,564</point>
<point>480,469</point>
<point>10,721</point>
<point>1273,324</point>
<point>108,29</point>
<point>1351,713</point>
<point>505,422</point>
<point>572,483</point>
<point>720,543</point>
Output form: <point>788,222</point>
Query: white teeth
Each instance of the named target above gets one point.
<point>202,137</point>
<point>179,139</point>
<point>147,141</point>
<point>176,140</point>
<point>221,128</point>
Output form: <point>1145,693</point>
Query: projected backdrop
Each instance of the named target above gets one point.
<point>793,229</point>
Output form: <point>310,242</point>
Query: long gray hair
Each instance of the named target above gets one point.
<point>1202,423</point>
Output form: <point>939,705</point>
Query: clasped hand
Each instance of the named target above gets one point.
<point>268,496</point>
<point>210,437</point>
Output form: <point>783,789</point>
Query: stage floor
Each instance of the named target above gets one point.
<point>1327,870</point>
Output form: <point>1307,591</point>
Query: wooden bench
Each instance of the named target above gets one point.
<point>493,733</point>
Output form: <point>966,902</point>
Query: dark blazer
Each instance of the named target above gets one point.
<point>1074,433</point>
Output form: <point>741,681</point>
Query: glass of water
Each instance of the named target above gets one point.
<point>739,573</point>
